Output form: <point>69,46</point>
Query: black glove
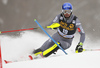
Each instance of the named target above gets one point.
<point>79,48</point>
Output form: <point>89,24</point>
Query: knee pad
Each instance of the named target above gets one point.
<point>51,50</point>
<point>37,51</point>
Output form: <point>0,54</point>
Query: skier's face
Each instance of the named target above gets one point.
<point>67,13</point>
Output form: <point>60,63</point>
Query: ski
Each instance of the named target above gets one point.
<point>6,62</point>
<point>21,59</point>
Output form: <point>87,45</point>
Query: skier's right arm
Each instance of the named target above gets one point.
<point>55,23</point>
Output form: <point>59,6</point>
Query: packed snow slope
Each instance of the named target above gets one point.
<point>14,48</point>
<point>83,60</point>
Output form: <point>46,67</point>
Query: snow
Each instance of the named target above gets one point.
<point>83,60</point>
<point>13,48</point>
<point>20,45</point>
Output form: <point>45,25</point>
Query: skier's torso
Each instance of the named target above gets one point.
<point>67,26</point>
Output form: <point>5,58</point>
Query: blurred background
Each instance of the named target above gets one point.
<point>20,14</point>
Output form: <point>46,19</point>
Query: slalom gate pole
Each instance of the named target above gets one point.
<point>0,56</point>
<point>20,30</point>
<point>50,36</point>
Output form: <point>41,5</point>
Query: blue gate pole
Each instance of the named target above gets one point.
<point>50,36</point>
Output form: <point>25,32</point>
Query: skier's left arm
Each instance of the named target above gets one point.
<point>79,47</point>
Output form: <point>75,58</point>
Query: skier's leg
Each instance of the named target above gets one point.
<point>48,47</point>
<point>38,53</point>
<point>65,44</point>
<point>50,50</point>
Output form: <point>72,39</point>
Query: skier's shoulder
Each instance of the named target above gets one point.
<point>74,17</point>
<point>77,20</point>
<point>57,17</point>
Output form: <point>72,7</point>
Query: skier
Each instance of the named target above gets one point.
<point>66,24</point>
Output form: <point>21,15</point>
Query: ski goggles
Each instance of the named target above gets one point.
<point>67,11</point>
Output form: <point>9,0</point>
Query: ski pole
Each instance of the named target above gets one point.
<point>20,30</point>
<point>50,36</point>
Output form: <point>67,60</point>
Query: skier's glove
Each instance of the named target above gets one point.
<point>79,47</point>
<point>54,26</point>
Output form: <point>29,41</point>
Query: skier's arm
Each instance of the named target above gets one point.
<point>79,47</point>
<point>55,23</point>
<point>81,31</point>
<point>54,26</point>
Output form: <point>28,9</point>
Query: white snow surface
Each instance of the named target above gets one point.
<point>13,48</point>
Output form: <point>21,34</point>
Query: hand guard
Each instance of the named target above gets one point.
<point>79,48</point>
<point>54,26</point>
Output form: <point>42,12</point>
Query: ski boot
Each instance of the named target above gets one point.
<point>33,56</point>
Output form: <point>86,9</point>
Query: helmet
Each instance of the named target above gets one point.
<point>67,6</point>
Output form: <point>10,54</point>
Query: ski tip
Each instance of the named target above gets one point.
<point>34,19</point>
<point>7,61</point>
